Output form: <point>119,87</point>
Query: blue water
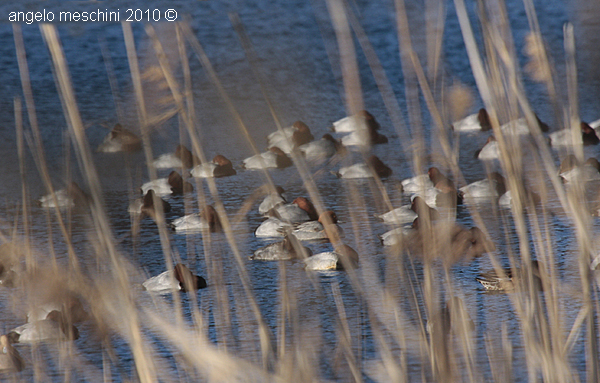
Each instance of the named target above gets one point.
<point>291,40</point>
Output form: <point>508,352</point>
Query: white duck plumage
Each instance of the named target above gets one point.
<point>160,186</point>
<point>63,200</point>
<point>288,249</point>
<point>359,121</point>
<point>584,173</point>
<point>429,195</point>
<point>490,150</point>
<point>272,227</point>
<point>273,158</point>
<point>572,171</point>
<point>191,222</point>
<point>314,230</point>
<point>492,187</point>
<point>207,219</point>
<point>357,138</point>
<point>564,137</point>
<point>280,135</point>
<point>417,184</point>
<point>290,138</point>
<point>395,236</point>
<point>343,256</point>
<point>167,161</point>
<point>173,280</point>
<point>300,210</point>
<point>205,170</point>
<point>69,305</point>
<point>54,327</point>
<point>360,170</point>
<point>476,122</point>
<point>292,213</point>
<point>349,124</point>
<point>272,200</point>
<point>163,282</point>
<point>320,150</point>
<point>398,216</point>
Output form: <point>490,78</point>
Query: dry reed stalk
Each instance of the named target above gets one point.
<point>581,217</point>
<point>145,132</point>
<point>112,78</point>
<point>225,222</point>
<point>24,192</point>
<point>39,149</point>
<point>549,334</point>
<point>144,361</point>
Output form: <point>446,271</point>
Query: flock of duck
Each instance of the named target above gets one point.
<point>424,227</point>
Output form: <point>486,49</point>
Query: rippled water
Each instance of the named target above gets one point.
<point>291,40</point>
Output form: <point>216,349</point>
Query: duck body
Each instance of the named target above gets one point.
<point>364,138</point>
<point>174,280</point>
<point>71,196</point>
<point>341,258</point>
<point>167,161</point>
<point>477,122</point>
<point>417,184</point>
<point>205,170</point>
<point>68,305</point>
<point>272,227</point>
<point>408,213</point>
<point>274,158</point>
<point>272,200</point>
<point>54,327</point>
<point>207,219</point>
<point>160,186</point>
<point>355,122</point>
<point>290,138</point>
<point>571,171</point>
<point>219,167</point>
<point>288,249</point>
<point>173,184</point>
<point>146,207</point>
<point>507,280</point>
<point>444,193</point>
<point>163,282</point>
<point>291,213</point>
<point>120,140</point>
<point>489,151</point>
<point>190,222</point>
<point>355,171</point>
<point>182,158</point>
<point>395,236</point>
<point>63,200</point>
<point>520,127</point>
<point>325,228</point>
<point>399,216</point>
<point>349,124</point>
<point>300,210</point>
<point>492,187</point>
<point>584,173</point>
<point>320,150</point>
<point>446,241</point>
<point>314,231</point>
<point>430,195</point>
<point>564,137</point>
<point>363,170</point>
